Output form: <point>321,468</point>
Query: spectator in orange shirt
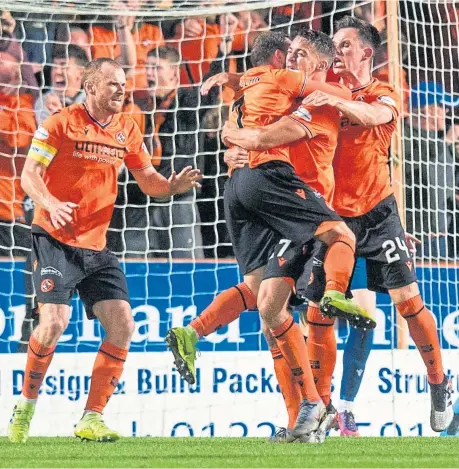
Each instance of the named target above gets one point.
<point>17,124</point>
<point>128,42</point>
<point>200,41</point>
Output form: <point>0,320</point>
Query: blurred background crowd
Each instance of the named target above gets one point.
<point>41,61</point>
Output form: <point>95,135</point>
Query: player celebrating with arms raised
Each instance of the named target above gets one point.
<point>364,198</point>
<point>71,174</point>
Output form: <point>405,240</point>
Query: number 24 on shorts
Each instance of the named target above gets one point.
<point>392,247</point>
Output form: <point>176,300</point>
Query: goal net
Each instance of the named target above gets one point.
<point>176,253</point>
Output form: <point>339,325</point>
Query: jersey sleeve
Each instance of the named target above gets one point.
<point>47,139</point>
<point>313,120</point>
<point>386,95</point>
<point>291,82</point>
<point>137,156</point>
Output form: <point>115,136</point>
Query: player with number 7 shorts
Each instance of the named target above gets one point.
<point>265,201</point>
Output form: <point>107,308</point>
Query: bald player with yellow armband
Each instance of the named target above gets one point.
<point>71,174</point>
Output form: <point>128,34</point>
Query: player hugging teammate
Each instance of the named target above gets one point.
<point>338,145</point>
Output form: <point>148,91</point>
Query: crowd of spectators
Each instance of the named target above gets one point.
<point>41,62</point>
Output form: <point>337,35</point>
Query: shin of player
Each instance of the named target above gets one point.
<point>116,318</point>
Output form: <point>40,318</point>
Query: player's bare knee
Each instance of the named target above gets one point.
<point>265,305</point>
<point>117,320</point>
<point>51,329</point>
<point>339,232</point>
<point>54,320</point>
<point>122,328</point>
<point>399,295</point>
<point>254,279</point>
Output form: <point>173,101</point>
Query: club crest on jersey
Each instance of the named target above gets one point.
<point>47,285</point>
<point>41,133</point>
<point>120,137</point>
<point>303,113</point>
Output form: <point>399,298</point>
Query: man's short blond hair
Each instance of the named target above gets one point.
<point>92,71</point>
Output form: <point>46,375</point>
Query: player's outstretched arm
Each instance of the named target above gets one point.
<point>365,114</point>
<point>154,184</point>
<point>34,186</point>
<point>228,79</point>
<point>282,132</point>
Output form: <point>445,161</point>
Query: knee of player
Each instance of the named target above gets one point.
<point>407,299</point>
<point>264,304</point>
<point>53,327</point>
<point>342,233</point>
<point>127,324</point>
<point>338,232</point>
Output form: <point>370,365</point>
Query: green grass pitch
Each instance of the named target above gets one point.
<point>232,452</point>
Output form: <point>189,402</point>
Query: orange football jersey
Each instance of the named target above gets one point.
<point>266,95</point>
<point>82,159</point>
<point>361,161</point>
<point>17,125</point>
<point>312,157</point>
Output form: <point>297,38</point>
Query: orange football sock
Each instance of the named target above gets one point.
<point>322,351</point>
<point>226,307</point>
<point>423,330</point>
<point>106,373</point>
<point>288,386</point>
<point>339,263</point>
<point>38,359</point>
<point>291,343</point>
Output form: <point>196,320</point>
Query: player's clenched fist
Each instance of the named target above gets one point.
<point>61,213</point>
<point>185,180</point>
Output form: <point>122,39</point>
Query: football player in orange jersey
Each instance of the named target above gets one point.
<point>365,199</point>
<point>313,164</point>
<point>253,254</point>
<point>71,174</point>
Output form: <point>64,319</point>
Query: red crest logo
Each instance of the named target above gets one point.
<point>47,285</point>
<point>120,137</point>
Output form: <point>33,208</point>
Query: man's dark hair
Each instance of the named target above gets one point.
<point>93,68</point>
<point>265,45</point>
<point>166,53</point>
<point>368,34</point>
<point>74,51</point>
<point>321,43</point>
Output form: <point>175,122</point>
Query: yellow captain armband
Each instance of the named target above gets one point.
<point>41,152</point>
